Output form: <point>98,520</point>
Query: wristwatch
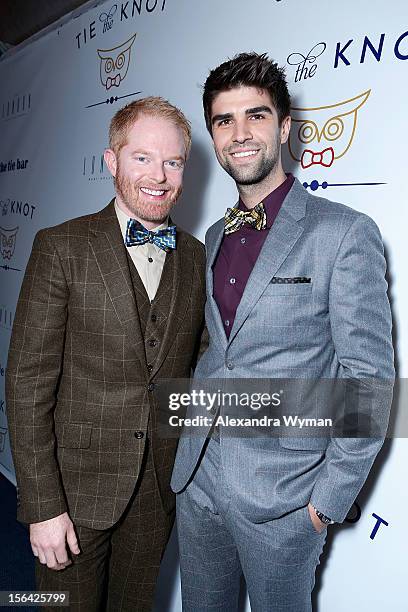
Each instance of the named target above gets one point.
<point>325,519</point>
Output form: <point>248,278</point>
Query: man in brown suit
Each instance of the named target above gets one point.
<point>111,303</point>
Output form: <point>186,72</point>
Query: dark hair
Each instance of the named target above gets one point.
<point>248,70</point>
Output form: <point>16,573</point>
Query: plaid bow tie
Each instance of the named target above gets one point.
<point>136,234</point>
<point>236,218</point>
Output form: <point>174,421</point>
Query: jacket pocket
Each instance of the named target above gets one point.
<point>276,289</point>
<point>305,443</point>
<point>73,435</point>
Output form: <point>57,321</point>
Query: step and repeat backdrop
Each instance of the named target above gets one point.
<point>347,71</point>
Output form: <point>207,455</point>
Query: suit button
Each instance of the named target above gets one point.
<point>150,386</point>
<point>150,259</point>
<point>213,410</point>
<point>139,435</point>
<point>149,367</point>
<point>153,318</point>
<point>230,365</point>
<point>152,342</point>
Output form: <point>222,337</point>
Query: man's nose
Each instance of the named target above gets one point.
<point>242,132</point>
<point>156,173</point>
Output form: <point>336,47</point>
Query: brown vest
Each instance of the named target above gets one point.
<point>153,315</point>
<point>153,322</point>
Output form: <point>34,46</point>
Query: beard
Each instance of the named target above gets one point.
<point>256,172</point>
<point>143,209</point>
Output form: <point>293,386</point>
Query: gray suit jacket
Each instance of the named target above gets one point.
<point>338,326</point>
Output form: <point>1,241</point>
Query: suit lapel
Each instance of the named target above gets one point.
<point>180,265</point>
<point>281,239</point>
<point>110,253</point>
<point>213,312</point>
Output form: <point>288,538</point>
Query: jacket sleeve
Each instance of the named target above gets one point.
<point>360,319</point>
<point>33,372</point>
<point>203,339</point>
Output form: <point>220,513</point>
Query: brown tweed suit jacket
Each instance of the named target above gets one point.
<point>78,388</point>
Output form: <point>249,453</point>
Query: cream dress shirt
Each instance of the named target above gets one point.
<point>148,258</point>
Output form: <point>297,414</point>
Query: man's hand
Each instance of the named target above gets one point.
<point>49,538</point>
<point>317,523</point>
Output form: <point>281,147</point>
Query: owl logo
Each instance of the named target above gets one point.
<point>330,128</point>
<point>3,433</point>
<point>115,63</point>
<point>8,242</point>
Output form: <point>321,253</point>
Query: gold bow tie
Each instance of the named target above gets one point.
<point>236,218</point>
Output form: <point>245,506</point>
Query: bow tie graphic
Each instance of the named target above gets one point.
<point>324,158</point>
<point>137,234</point>
<point>236,218</point>
<point>115,82</point>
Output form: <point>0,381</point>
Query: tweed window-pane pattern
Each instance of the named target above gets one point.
<point>128,555</point>
<point>77,366</point>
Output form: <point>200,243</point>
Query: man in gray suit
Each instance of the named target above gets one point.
<point>295,290</point>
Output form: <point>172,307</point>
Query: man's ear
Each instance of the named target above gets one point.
<point>285,129</point>
<point>111,161</point>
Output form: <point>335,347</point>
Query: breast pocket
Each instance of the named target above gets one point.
<point>286,308</point>
<point>310,443</point>
<point>288,289</point>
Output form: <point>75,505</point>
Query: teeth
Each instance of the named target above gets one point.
<point>244,153</point>
<point>153,192</point>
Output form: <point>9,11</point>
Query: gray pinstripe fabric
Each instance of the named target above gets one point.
<point>77,374</point>
<point>218,544</point>
<point>245,509</point>
<point>338,326</point>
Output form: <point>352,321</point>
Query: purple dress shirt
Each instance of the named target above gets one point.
<point>238,253</point>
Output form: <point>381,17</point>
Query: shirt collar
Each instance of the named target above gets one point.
<point>123,220</point>
<point>274,200</point>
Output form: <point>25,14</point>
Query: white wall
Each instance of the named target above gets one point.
<point>53,82</point>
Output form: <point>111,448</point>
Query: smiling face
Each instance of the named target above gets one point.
<point>247,135</point>
<point>148,170</point>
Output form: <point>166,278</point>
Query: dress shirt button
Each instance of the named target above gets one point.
<point>149,367</point>
<point>243,240</point>
<point>139,435</point>
<point>150,259</point>
<point>152,342</point>
<point>226,323</point>
<point>232,281</point>
<point>230,365</point>
<point>150,386</point>
<point>153,318</point>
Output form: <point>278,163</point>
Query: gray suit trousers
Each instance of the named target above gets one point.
<point>218,545</point>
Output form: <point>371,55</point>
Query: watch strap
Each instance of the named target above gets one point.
<point>325,519</point>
